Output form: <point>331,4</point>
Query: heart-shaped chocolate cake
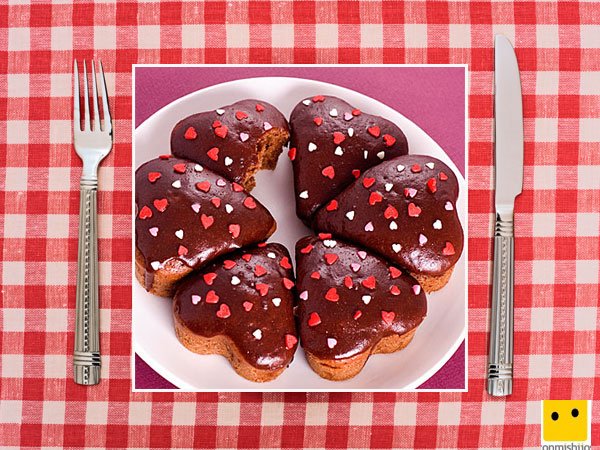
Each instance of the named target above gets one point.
<point>234,141</point>
<point>241,307</point>
<point>332,144</point>
<point>187,215</point>
<point>352,304</point>
<point>404,209</point>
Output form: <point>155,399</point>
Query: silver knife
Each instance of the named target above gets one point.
<point>508,138</point>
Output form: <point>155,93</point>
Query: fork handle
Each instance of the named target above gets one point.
<point>86,357</point>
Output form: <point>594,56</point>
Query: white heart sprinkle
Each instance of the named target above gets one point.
<point>416,289</point>
<point>422,239</point>
<point>228,161</point>
<point>339,151</point>
<point>221,182</point>
<point>228,208</point>
<point>333,112</point>
<point>312,146</point>
<point>271,255</point>
<point>329,243</point>
<point>400,167</point>
<point>179,234</point>
<point>396,247</point>
<point>362,254</point>
<point>381,155</point>
<point>303,295</point>
<point>276,301</point>
<point>366,299</point>
<point>369,226</point>
<point>347,116</point>
<point>355,267</point>
<point>303,194</point>
<point>448,206</point>
<point>198,168</point>
<point>220,112</point>
<point>267,126</point>
<point>331,342</point>
<point>411,192</point>
<point>437,225</point>
<point>350,215</point>
<point>366,154</point>
<point>306,102</point>
<point>176,184</point>
<point>350,132</point>
<point>430,165</point>
<point>196,299</point>
<point>153,231</point>
<point>388,187</point>
<point>155,265</point>
<point>196,207</point>
<point>393,225</point>
<point>235,280</point>
<point>244,137</point>
<point>257,334</point>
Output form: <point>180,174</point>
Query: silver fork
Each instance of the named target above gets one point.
<point>91,145</point>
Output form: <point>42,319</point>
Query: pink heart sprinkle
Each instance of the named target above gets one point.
<point>355,267</point>
<point>347,116</point>
<point>303,295</point>
<point>369,226</point>
<point>153,231</point>
<point>196,299</point>
<point>196,207</point>
<point>448,206</point>
<point>221,182</point>
<point>416,289</point>
<point>362,254</point>
<point>412,192</point>
<point>244,137</point>
<point>267,126</point>
<point>422,239</point>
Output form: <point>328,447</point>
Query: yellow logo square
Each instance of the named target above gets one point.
<point>565,420</point>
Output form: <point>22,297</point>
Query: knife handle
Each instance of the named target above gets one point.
<point>500,366</point>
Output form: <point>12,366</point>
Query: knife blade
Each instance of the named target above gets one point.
<point>508,155</point>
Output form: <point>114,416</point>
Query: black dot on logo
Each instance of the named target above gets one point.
<point>574,412</point>
<point>554,415</point>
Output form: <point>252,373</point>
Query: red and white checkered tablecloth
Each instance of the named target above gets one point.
<point>557,218</point>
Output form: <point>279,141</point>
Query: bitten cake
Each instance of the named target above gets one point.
<point>404,209</point>
<point>234,141</point>
<point>351,305</point>
<point>241,307</point>
<point>187,215</point>
<point>332,143</point>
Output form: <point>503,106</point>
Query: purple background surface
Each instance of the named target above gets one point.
<point>432,97</point>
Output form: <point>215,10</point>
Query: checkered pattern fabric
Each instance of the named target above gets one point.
<point>558,218</point>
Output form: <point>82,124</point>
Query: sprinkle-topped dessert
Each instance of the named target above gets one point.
<point>241,307</point>
<point>332,144</point>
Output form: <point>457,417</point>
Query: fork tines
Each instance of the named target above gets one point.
<point>105,125</point>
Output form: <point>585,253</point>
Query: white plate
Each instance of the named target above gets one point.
<point>153,337</point>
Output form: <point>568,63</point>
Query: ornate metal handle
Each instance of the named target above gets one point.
<point>500,366</point>
<point>86,357</point>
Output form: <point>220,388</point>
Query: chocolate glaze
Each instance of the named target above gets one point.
<point>243,154</point>
<point>414,253</point>
<point>352,335</point>
<point>274,322</point>
<point>308,165</point>
<point>202,244</point>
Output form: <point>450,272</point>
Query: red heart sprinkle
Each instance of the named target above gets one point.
<point>318,98</point>
<point>237,187</point>
<point>161,204</point>
<point>287,283</point>
<point>388,316</point>
<point>432,185</point>
<point>285,263</point>
<point>203,186</point>
<point>209,278</point>
<point>369,282</point>
<point>216,201</point>
<point>375,197</point>
<point>416,168</point>
<point>290,341</point>
<point>182,251</point>
<point>315,275</point>
<point>395,272</point>
<point>390,212</point>
<point>348,282</point>
<point>229,264</point>
<point>368,182</point>
<point>216,124</point>
<point>221,131</point>
<point>338,137</point>
<point>213,153</point>
<point>211,297</point>
<point>356,173</point>
<point>332,295</point>
<point>389,140</point>
<point>306,250</point>
<point>234,229</point>
<point>448,249</point>
<point>259,107</point>
<point>356,112</point>
<point>413,210</point>
<point>145,213</point>
<point>332,205</point>
<point>223,312</point>
<point>292,153</point>
<point>249,203</point>
<point>240,115</point>
<point>259,270</point>
<point>374,131</point>
<point>443,176</point>
<point>395,290</point>
<point>179,168</point>
<point>153,176</point>
<point>318,120</point>
<point>190,134</point>
<point>262,289</point>
<point>247,257</point>
<point>207,221</point>
<point>357,314</point>
<point>247,306</point>
<point>324,236</point>
<point>165,156</point>
<point>314,319</point>
<point>330,258</point>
